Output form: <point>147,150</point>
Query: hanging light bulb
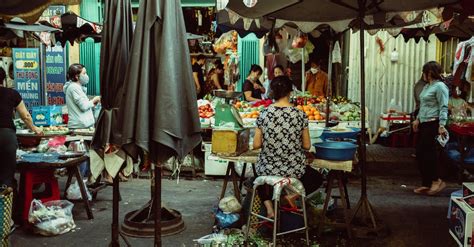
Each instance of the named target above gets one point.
<point>250,3</point>
<point>394,56</point>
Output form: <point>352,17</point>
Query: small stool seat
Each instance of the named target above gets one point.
<point>290,185</point>
<point>33,177</point>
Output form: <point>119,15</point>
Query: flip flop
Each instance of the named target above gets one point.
<point>421,190</point>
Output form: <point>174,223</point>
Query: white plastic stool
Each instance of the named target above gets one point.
<point>292,185</point>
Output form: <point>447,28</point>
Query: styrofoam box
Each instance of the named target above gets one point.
<point>212,165</point>
<point>461,222</point>
<point>467,189</point>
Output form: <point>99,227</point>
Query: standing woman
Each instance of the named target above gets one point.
<point>10,100</point>
<point>253,88</point>
<point>430,123</point>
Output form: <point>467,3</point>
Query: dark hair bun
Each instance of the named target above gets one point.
<point>281,86</point>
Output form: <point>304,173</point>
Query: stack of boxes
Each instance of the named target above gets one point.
<point>461,216</point>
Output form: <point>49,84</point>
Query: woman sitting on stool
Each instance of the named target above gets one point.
<point>282,133</point>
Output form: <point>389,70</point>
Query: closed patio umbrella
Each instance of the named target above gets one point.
<point>159,112</point>
<point>115,49</point>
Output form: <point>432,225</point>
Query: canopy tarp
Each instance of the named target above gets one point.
<point>29,10</point>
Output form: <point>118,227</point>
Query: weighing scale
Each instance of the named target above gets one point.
<point>227,116</point>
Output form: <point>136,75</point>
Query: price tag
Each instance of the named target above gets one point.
<point>26,64</point>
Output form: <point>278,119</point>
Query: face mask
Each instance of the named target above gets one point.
<point>458,91</point>
<point>314,70</point>
<point>83,79</point>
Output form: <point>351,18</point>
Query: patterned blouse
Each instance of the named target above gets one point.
<point>282,147</point>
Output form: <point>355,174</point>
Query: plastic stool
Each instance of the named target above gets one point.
<point>32,177</point>
<point>279,183</point>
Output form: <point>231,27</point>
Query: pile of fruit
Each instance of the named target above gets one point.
<point>340,100</point>
<point>205,111</point>
<point>253,114</point>
<point>304,100</point>
<point>311,112</point>
<point>55,129</point>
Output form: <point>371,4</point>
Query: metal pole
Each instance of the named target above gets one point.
<point>44,80</point>
<point>303,81</point>
<point>157,205</point>
<point>115,213</point>
<point>329,86</point>
<point>362,100</point>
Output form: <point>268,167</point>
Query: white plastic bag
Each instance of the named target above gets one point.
<point>230,205</point>
<point>51,218</point>
<point>73,192</point>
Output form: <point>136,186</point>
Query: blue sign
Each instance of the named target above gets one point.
<point>55,59</point>
<point>26,68</point>
<point>55,74</point>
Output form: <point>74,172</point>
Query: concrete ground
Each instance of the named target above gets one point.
<point>412,220</point>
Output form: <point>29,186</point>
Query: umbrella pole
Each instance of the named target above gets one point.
<point>115,213</point>
<point>329,86</point>
<point>303,80</point>
<point>157,204</point>
<point>363,206</point>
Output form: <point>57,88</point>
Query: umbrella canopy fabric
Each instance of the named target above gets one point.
<point>29,10</point>
<point>228,20</point>
<point>159,110</point>
<point>328,10</point>
<point>115,51</point>
<point>76,28</point>
<point>462,29</point>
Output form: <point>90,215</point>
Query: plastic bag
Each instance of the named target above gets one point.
<point>51,218</point>
<point>240,166</point>
<point>73,192</point>
<point>226,220</point>
<point>229,205</point>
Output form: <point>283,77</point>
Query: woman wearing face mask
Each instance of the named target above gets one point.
<point>429,124</point>
<point>316,80</point>
<point>253,88</point>
<point>457,105</point>
<point>78,104</point>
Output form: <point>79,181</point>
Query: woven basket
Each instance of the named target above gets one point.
<point>6,203</point>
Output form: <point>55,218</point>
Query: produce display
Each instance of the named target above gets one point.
<point>311,112</point>
<point>304,100</point>
<point>248,110</point>
<point>206,111</point>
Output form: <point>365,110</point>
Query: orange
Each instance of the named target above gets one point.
<point>299,107</point>
<point>308,113</point>
<point>311,118</point>
<point>255,116</point>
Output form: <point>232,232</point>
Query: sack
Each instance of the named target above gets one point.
<point>230,204</point>
<point>6,203</point>
<point>51,218</point>
<point>73,192</point>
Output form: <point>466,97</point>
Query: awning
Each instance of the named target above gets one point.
<point>29,10</point>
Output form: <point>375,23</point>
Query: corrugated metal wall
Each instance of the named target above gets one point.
<point>249,53</point>
<point>386,80</point>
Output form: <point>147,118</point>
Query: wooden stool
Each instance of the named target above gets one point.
<point>332,177</point>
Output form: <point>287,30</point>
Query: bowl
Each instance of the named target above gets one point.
<point>339,151</point>
<point>351,133</point>
<point>336,139</point>
<point>315,131</point>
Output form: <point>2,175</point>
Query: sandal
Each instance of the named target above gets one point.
<point>437,187</point>
<point>421,190</point>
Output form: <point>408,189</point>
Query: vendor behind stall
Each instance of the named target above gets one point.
<point>316,80</point>
<point>10,100</point>
<point>78,104</point>
<point>253,88</point>
<point>198,76</point>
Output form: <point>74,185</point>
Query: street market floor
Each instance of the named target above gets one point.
<point>412,220</point>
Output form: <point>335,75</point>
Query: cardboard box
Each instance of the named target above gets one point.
<point>461,222</point>
<point>230,142</point>
<point>47,115</point>
<point>212,165</point>
<point>467,189</point>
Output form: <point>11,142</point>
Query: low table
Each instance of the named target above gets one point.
<point>72,166</point>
